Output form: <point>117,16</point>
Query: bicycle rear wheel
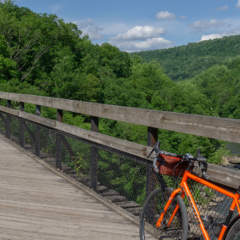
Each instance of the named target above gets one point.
<point>234,231</point>
<point>152,209</point>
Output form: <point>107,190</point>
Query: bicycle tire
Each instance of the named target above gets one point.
<point>151,212</point>
<point>234,231</point>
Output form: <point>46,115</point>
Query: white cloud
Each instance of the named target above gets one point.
<point>88,27</point>
<point>55,8</point>
<point>141,38</point>
<point>204,25</point>
<point>114,28</point>
<point>238,4</point>
<point>231,32</point>
<point>223,8</point>
<point>165,15</point>
<point>152,43</point>
<point>212,29</point>
<point>140,33</point>
<point>127,38</point>
<point>147,44</point>
<point>212,36</point>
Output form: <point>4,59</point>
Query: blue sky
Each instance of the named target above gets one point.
<point>136,25</point>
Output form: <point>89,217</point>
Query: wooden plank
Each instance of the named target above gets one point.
<point>150,175</point>
<point>110,192</point>
<point>95,137</point>
<point>28,116</point>
<point>117,198</point>
<point>128,204</point>
<point>212,127</point>
<point>35,207</point>
<point>218,174</point>
<point>225,176</point>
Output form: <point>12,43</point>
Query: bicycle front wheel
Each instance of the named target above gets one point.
<point>153,207</point>
<point>234,231</point>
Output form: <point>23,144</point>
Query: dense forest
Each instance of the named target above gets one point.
<point>187,61</point>
<point>41,54</point>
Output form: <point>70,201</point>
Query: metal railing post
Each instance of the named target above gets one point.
<point>8,122</point>
<point>59,142</point>
<point>151,179</point>
<point>37,133</point>
<point>94,156</point>
<point>21,126</point>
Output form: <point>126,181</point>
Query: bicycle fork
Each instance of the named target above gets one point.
<point>172,196</point>
<point>170,199</point>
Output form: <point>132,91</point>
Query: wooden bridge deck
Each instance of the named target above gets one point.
<point>37,204</point>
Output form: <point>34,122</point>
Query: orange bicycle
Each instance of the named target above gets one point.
<point>166,210</point>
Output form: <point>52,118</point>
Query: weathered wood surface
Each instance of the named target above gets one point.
<point>213,127</point>
<point>37,204</point>
<point>218,174</point>
<point>95,137</point>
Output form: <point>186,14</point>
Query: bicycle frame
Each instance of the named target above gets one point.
<point>184,190</point>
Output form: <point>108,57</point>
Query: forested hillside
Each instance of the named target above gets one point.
<point>221,84</point>
<point>41,54</point>
<point>186,61</point>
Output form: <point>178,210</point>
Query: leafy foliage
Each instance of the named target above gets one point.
<point>187,61</point>
<point>41,54</point>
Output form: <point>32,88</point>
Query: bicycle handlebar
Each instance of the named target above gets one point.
<point>183,158</point>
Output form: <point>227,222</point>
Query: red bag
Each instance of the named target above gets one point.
<point>168,165</point>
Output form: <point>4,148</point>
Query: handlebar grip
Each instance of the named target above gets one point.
<point>155,167</point>
<point>155,149</point>
<point>149,155</point>
<point>205,175</point>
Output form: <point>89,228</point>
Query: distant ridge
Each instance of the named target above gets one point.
<point>187,61</point>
